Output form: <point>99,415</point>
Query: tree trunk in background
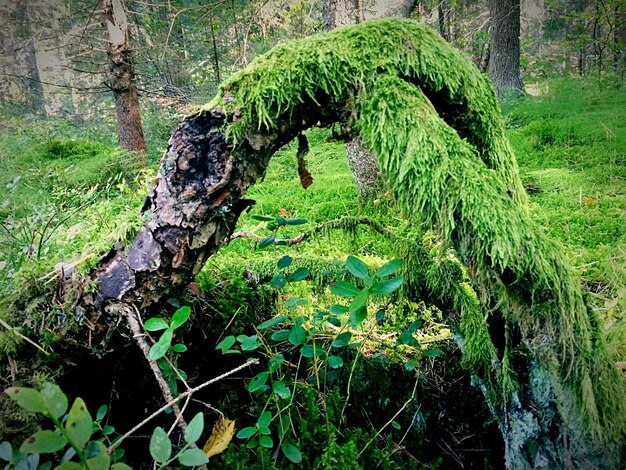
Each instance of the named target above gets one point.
<point>18,62</point>
<point>122,82</point>
<point>335,13</point>
<point>504,57</point>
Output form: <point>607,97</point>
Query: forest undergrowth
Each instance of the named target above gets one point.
<point>66,199</point>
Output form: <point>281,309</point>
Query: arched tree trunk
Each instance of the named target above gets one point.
<point>504,55</point>
<point>122,82</point>
<point>534,348</point>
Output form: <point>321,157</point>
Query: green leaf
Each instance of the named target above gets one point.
<point>266,441</point>
<point>267,241</point>
<point>309,350</point>
<point>79,426</point>
<point>380,314</point>
<point>357,267</point>
<point>160,348</point>
<point>226,343</point>
<point>28,398</point>
<point>264,218</point>
<point>180,317</point>
<point>334,321</point>
<point>264,420</point>
<point>44,442</point>
<point>54,399</point>
<point>275,362</point>
<point>252,444</point>
<point>360,300</point>
<point>292,453</point>
<point>179,348</point>
<point>280,335</point>
<point>120,466</point>
<point>108,430</point>
<point>281,220</point>
<point>160,445</point>
<point>297,335</point>
<point>101,413</point>
<point>344,289</point>
<point>278,281</point>
<point>342,340</point>
<point>296,221</point>
<point>250,343</point>
<point>70,466</point>
<point>245,433</point>
<point>357,317</point>
<point>194,428</point>
<point>258,381</point>
<point>406,337</point>
<point>414,326</point>
<point>335,361</point>
<point>389,267</point>
<point>272,322</point>
<point>6,451</point>
<point>192,457</point>
<point>281,390</point>
<point>432,352</point>
<point>97,456</point>
<point>155,324</point>
<point>339,309</point>
<point>293,302</point>
<point>411,364</point>
<point>396,425</point>
<point>386,287</point>
<point>298,275</point>
<point>284,262</point>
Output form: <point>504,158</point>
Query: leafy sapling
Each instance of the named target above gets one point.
<point>188,456</point>
<point>379,283</point>
<point>73,432</point>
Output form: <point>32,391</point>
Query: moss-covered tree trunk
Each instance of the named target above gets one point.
<point>433,122</point>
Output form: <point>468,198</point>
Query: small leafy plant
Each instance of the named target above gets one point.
<point>73,432</point>
<point>188,456</point>
<point>164,345</point>
<point>318,341</point>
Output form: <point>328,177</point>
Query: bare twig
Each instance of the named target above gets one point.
<point>139,336</point>
<point>180,397</point>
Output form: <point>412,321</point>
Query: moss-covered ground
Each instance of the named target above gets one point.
<point>62,190</point>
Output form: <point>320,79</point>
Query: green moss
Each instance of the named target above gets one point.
<point>434,123</point>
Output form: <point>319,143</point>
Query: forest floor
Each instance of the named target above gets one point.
<point>65,198</point>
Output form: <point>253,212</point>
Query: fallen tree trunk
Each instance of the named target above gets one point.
<point>433,122</point>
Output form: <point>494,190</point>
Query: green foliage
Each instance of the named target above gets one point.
<point>73,431</point>
<point>461,181</point>
<point>161,446</point>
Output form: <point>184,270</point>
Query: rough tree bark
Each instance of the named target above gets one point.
<point>336,13</point>
<point>122,81</point>
<point>438,137</point>
<point>504,55</point>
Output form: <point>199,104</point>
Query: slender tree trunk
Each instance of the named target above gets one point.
<point>504,57</point>
<point>216,61</point>
<point>31,83</point>
<point>363,164</point>
<point>122,81</point>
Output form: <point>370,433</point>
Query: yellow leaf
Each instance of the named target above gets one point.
<point>221,435</point>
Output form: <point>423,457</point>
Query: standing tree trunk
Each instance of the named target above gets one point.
<point>335,13</point>
<point>504,57</point>
<point>122,82</point>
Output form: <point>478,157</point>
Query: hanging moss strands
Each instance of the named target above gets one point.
<point>434,123</point>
